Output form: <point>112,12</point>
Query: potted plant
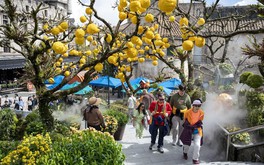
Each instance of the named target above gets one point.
<point>110,124</point>
<point>122,120</point>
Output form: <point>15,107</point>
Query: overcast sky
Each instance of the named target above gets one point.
<point>105,10</point>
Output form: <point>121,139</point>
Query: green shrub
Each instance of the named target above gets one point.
<point>255,107</point>
<point>254,81</point>
<point>6,147</point>
<point>33,124</point>
<point>121,117</point>
<point>226,68</point>
<point>244,76</point>
<point>85,147</point>
<point>119,107</point>
<point>8,120</point>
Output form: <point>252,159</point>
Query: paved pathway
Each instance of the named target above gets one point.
<point>137,152</point>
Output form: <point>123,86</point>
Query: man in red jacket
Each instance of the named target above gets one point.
<point>159,110</point>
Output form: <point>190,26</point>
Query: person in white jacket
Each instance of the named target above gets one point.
<point>131,105</point>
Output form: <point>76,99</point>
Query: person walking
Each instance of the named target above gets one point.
<point>193,130</point>
<point>30,103</point>
<point>139,120</point>
<point>92,114</point>
<point>160,110</point>
<point>21,103</point>
<point>132,101</point>
<point>146,98</point>
<point>179,102</point>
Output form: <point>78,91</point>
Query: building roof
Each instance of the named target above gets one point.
<point>11,61</point>
<point>229,26</point>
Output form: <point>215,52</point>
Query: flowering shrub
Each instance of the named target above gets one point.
<point>6,147</point>
<point>85,147</point>
<point>28,151</point>
<point>241,138</point>
<point>110,124</point>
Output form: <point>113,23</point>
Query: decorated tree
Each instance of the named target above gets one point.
<point>105,45</point>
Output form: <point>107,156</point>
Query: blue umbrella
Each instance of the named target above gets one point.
<point>69,86</point>
<point>167,91</point>
<point>134,87</point>
<point>138,79</point>
<point>106,81</point>
<point>172,83</point>
<point>84,91</point>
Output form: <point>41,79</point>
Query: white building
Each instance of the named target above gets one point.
<point>11,62</point>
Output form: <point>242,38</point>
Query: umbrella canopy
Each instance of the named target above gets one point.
<point>84,91</point>
<point>138,79</point>
<point>167,91</point>
<point>69,86</point>
<point>172,83</point>
<point>106,81</point>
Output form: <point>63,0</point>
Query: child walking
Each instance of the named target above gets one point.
<point>140,120</point>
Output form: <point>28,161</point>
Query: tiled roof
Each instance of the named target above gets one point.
<point>172,27</point>
<point>229,26</point>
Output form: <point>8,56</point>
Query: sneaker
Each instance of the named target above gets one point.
<point>179,144</point>
<point>173,143</point>
<point>185,156</point>
<point>196,162</point>
<point>151,145</point>
<point>160,149</point>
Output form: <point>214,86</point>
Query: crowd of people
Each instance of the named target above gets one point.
<point>176,116</point>
<point>18,102</point>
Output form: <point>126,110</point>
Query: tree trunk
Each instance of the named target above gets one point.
<point>225,50</point>
<point>45,112</point>
<point>190,68</point>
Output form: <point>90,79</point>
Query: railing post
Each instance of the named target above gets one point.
<point>227,146</point>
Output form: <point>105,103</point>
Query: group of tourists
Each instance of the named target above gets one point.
<point>177,116</point>
<point>17,103</point>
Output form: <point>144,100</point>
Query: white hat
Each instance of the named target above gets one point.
<point>197,102</point>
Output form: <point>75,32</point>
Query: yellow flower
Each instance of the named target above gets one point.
<point>201,21</point>
<point>172,18</point>
<point>99,67</point>
<point>199,41</point>
<point>64,25</point>
<point>145,3</point>
<point>45,26</point>
<point>83,19</point>
<point>92,29</point>
<point>79,41</point>
<point>55,30</point>
<point>88,11</point>
<point>122,16</point>
<point>79,33</point>
<point>149,18</point>
<point>167,6</point>
<point>135,5</point>
<point>184,21</point>
<point>108,38</point>
<point>59,47</point>
<point>187,45</point>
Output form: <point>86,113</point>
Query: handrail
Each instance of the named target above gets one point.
<point>255,128</point>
